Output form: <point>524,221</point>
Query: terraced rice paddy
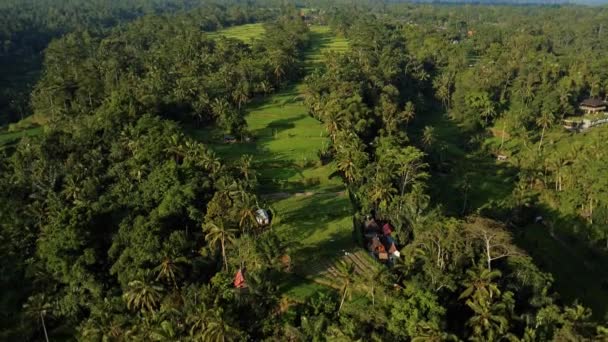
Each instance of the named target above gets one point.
<point>243,32</point>
<point>311,207</point>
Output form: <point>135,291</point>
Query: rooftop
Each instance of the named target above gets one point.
<point>593,102</point>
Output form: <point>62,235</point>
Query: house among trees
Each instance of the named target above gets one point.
<point>379,241</point>
<point>592,106</point>
<point>594,114</point>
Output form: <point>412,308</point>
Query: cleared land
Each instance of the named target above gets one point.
<point>10,137</point>
<point>311,209</point>
<point>242,32</point>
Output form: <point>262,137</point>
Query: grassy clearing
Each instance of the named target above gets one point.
<point>314,212</point>
<point>11,137</point>
<point>328,42</point>
<point>246,33</point>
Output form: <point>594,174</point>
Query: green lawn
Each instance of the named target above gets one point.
<point>324,38</point>
<point>10,137</point>
<point>311,209</point>
<point>243,32</point>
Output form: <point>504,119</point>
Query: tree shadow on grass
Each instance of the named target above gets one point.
<point>276,127</point>
<point>464,176</point>
<point>321,226</point>
<point>579,269</point>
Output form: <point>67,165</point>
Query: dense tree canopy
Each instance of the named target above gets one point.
<point>117,224</point>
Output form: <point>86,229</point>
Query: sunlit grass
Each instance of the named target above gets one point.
<point>312,210</point>
<point>10,137</point>
<point>242,32</point>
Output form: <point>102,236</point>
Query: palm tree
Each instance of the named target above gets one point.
<point>314,327</point>
<point>38,307</point>
<point>218,234</point>
<point>217,329</point>
<point>544,120</point>
<point>164,331</point>
<point>346,164</point>
<point>372,280</point>
<point>241,94</point>
<point>409,163</point>
<point>175,146</point>
<point>488,111</point>
<point>381,190</point>
<point>345,273</point>
<point>429,332</point>
<point>408,113</point>
<point>428,137</point>
<point>143,296</point>
<point>247,218</point>
<point>265,87</point>
<point>488,322</point>
<point>197,322</point>
<point>442,85</point>
<point>220,107</point>
<point>170,269</point>
<point>480,284</point>
<point>244,166</point>
<point>482,295</point>
<point>334,121</point>
<point>211,162</point>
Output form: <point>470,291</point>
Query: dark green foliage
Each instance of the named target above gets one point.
<point>115,225</point>
<point>28,26</point>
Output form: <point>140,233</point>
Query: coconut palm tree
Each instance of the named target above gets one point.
<point>488,321</point>
<point>247,218</point>
<point>381,190</point>
<point>241,94</point>
<point>218,234</point>
<point>346,275</point>
<point>314,327</point>
<point>482,297</point>
<point>488,111</point>
<point>143,296</point>
<point>408,113</point>
<point>245,167</point>
<point>37,307</point>
<point>428,332</point>
<point>428,137</point>
<point>170,269</point>
<point>480,284</point>
<point>544,120</point>
<point>217,329</point>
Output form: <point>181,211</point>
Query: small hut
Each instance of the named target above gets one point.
<point>262,217</point>
<point>592,105</point>
<point>239,279</point>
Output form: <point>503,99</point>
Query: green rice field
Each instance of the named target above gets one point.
<point>243,32</point>
<point>10,137</point>
<point>310,206</point>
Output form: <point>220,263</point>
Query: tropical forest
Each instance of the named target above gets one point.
<point>303,170</point>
